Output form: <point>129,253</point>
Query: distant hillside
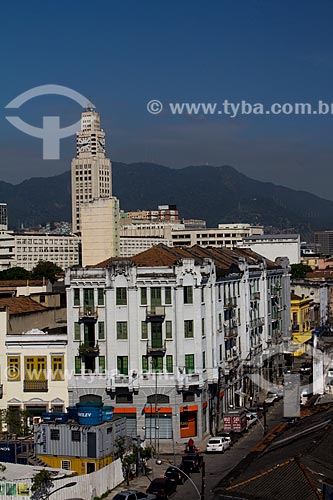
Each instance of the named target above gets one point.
<point>216,194</point>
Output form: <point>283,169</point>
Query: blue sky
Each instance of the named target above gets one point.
<point>122,54</point>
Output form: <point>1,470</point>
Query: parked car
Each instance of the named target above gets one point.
<point>271,398</point>
<point>134,495</point>
<point>256,410</point>
<point>251,419</point>
<point>191,462</point>
<point>175,474</point>
<point>217,444</point>
<point>162,487</point>
<point>228,436</point>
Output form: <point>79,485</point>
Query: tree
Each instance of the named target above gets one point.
<point>41,485</point>
<point>15,273</point>
<point>298,271</point>
<point>47,270</point>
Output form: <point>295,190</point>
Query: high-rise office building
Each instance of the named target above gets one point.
<point>91,170</point>
<point>3,217</point>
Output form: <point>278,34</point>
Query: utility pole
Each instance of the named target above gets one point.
<point>218,402</point>
<point>203,479</point>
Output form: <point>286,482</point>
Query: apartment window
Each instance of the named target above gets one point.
<point>76,296</point>
<point>204,360</point>
<point>77,365</point>
<point>55,434</point>
<point>122,330</point>
<point>101,365</point>
<point>188,329</point>
<point>169,363</point>
<point>168,330</point>
<point>202,295</point>
<point>76,436</point>
<point>203,327</point>
<point>188,295</point>
<point>57,367</point>
<point>144,330</point>
<point>219,292</point>
<point>121,296</point>
<point>189,363</point>
<point>221,352</point>
<point>101,331</point>
<point>144,363</point>
<point>122,365</point>
<point>35,367</point>
<point>100,296</point>
<point>77,331</point>
<point>157,363</point>
<point>220,321</point>
<point>168,295</point>
<point>13,368</point>
<point>155,296</point>
<point>143,296</point>
<point>66,464</point>
<point>88,297</point>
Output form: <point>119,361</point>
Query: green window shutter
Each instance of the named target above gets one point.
<point>144,363</point>
<point>158,364</point>
<point>77,365</point>
<point>100,297</point>
<point>77,331</point>
<point>144,330</point>
<point>122,330</point>
<point>188,329</point>
<point>76,296</point>
<point>168,295</point>
<point>101,331</point>
<point>121,296</point>
<point>143,296</point>
<point>188,295</point>
<point>88,297</point>
<point>169,363</point>
<point>101,364</point>
<point>122,365</point>
<point>155,296</point>
<point>189,363</point>
<point>168,329</point>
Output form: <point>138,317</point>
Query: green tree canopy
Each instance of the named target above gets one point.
<point>47,270</point>
<point>15,273</point>
<point>299,271</point>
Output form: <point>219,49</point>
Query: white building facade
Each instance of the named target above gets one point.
<point>273,246</point>
<point>28,248</point>
<point>169,336</point>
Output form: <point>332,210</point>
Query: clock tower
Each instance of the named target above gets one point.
<point>91,170</point>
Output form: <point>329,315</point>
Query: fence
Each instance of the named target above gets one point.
<point>87,486</point>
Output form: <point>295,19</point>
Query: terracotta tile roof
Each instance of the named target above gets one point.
<point>21,305</point>
<point>16,283</point>
<point>162,255</point>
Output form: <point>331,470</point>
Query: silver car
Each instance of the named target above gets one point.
<point>134,495</point>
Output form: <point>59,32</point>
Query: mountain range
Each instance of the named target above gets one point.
<point>216,194</point>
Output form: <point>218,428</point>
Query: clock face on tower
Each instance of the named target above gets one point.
<point>83,144</point>
<point>101,145</point>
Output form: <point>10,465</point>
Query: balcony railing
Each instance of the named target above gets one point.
<point>231,331</point>
<point>88,314</point>
<point>35,386</point>
<point>155,314</point>
<point>156,349</point>
<point>230,303</point>
<point>255,296</point>
<point>88,350</point>
<point>257,322</point>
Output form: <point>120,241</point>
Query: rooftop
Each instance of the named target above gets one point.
<point>272,237</point>
<point>225,260</point>
<point>21,305</point>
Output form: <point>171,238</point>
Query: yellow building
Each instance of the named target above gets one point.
<point>300,311</point>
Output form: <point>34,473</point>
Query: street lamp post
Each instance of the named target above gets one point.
<point>67,485</point>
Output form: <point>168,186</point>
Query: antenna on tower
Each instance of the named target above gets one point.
<point>90,106</point>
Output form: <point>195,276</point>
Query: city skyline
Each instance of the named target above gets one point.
<point>177,53</point>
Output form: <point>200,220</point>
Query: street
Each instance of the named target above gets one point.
<point>219,465</point>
